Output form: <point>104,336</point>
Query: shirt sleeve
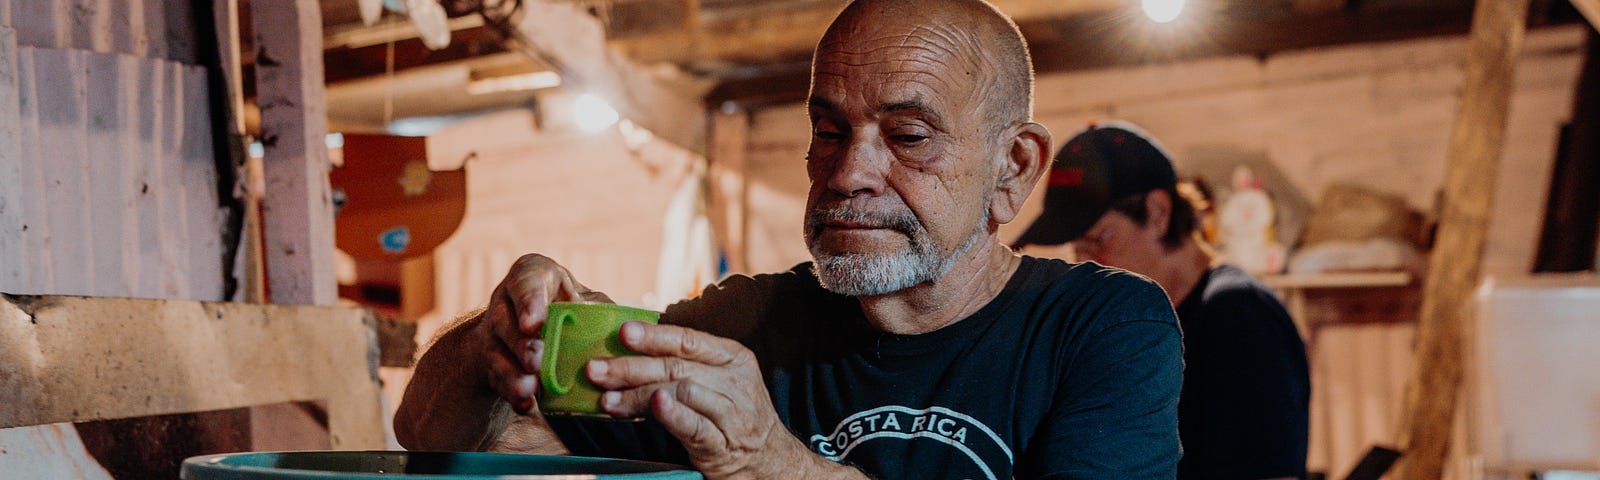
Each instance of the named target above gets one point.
<point>1255,402</point>
<point>1116,414</point>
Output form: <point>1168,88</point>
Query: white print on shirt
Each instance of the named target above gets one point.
<point>892,421</point>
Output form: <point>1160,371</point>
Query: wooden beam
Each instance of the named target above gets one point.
<point>1318,6</point>
<point>356,35</point>
<point>76,359</point>
<point>343,64</point>
<point>297,209</point>
<point>1079,43</point>
<point>1453,274</point>
<point>568,38</point>
<point>788,33</point>
<point>1590,10</point>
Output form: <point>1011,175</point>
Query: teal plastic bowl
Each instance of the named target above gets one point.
<point>323,465</point>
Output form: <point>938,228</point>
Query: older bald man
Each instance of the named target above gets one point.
<point>916,345</point>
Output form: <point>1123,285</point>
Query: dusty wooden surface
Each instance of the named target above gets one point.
<point>76,359</point>
<point>1453,274</point>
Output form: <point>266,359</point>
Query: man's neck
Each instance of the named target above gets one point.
<point>1182,268</point>
<point>976,278</point>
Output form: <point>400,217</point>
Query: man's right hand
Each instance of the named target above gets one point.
<point>509,327</point>
<point>474,375</point>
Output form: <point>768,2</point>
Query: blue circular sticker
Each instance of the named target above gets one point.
<point>395,240</point>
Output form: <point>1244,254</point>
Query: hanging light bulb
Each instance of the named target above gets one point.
<point>1162,11</point>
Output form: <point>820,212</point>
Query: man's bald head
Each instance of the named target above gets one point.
<point>987,45</point>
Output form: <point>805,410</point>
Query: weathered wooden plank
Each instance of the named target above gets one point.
<point>298,215</point>
<point>57,363</point>
<point>1476,141</point>
<point>12,244</point>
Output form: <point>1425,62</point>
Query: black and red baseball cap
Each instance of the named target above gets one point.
<point>1104,163</point>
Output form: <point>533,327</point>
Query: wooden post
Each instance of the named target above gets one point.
<point>225,18</point>
<point>1590,10</point>
<point>728,173</point>
<point>297,211</point>
<point>1475,144</point>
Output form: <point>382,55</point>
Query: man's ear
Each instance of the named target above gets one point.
<point>1158,208</point>
<point>1024,159</point>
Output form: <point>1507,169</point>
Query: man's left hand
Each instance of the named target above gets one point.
<point>708,392</point>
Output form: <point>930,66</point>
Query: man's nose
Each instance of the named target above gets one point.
<point>862,170</point>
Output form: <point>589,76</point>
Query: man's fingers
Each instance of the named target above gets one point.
<point>689,424</point>
<point>619,373</point>
<point>676,341</point>
<point>688,405</point>
<point>510,381</point>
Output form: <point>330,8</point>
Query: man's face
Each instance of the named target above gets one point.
<point>1118,240</point>
<point>901,170</point>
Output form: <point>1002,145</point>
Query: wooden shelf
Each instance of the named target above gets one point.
<point>1337,280</point>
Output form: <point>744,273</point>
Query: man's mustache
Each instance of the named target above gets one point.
<point>903,222</point>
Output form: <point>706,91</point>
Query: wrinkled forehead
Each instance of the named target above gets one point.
<point>899,59</point>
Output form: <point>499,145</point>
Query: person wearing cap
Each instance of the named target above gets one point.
<point>1113,194</point>
<point>915,345</point>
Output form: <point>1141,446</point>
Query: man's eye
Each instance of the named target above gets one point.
<point>830,135</point>
<point>908,139</point>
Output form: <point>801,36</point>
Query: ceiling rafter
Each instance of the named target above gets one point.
<point>783,34</point>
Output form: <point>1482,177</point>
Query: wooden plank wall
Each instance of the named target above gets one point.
<point>99,136</point>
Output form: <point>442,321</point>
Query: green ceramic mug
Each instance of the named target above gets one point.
<point>574,333</point>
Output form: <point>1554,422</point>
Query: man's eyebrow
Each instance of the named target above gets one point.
<point>911,106</point>
<point>822,103</point>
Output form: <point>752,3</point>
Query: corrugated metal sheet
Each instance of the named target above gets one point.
<point>142,28</point>
<point>112,182</point>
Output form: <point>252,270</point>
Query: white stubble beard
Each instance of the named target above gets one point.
<point>873,274</point>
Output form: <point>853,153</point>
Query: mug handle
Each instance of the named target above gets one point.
<point>552,347</point>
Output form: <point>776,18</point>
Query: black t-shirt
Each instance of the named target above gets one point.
<point>1073,371</point>
<point>1247,391</point>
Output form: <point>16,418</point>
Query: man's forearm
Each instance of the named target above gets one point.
<point>448,406</point>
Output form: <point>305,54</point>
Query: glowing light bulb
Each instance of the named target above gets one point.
<point>1162,11</point>
<point>592,113</point>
